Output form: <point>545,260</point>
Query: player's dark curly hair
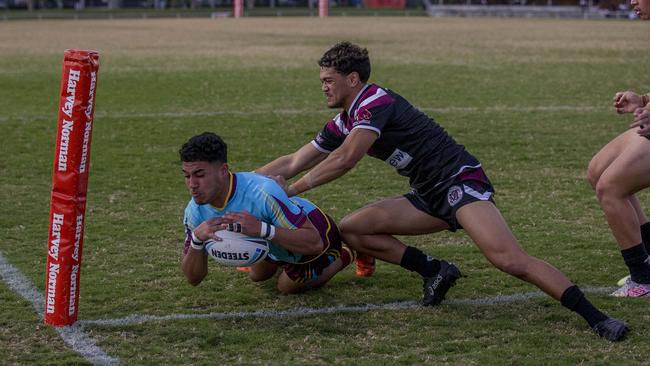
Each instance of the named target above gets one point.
<point>345,58</point>
<point>204,147</point>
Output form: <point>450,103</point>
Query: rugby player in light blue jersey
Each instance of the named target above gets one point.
<point>304,241</point>
<point>449,189</point>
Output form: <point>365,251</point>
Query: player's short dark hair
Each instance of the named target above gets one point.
<point>207,146</point>
<point>345,58</point>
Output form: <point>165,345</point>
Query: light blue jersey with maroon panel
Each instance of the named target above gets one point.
<point>263,198</point>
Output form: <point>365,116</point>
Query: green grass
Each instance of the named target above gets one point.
<point>255,82</point>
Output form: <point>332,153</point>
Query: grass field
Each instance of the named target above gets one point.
<point>530,98</point>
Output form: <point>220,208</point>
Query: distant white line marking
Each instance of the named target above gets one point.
<point>301,312</point>
<point>74,336</point>
<point>186,114</point>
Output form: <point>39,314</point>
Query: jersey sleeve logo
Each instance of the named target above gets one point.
<point>399,159</point>
<point>362,115</point>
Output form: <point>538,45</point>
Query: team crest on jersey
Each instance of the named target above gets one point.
<point>454,195</point>
<point>363,115</point>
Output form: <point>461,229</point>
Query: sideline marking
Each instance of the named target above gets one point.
<point>73,336</point>
<point>300,312</point>
<point>121,115</point>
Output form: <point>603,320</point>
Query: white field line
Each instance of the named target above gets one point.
<point>73,336</point>
<point>302,312</point>
<point>185,114</point>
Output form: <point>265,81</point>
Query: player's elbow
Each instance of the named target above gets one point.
<point>193,278</point>
<point>293,165</point>
<point>284,165</point>
<point>194,281</point>
<point>346,162</point>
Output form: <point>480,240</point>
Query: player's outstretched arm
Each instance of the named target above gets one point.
<point>339,162</point>
<point>195,261</point>
<point>302,240</point>
<point>195,265</point>
<point>290,165</point>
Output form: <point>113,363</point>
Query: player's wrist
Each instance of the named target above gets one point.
<point>196,243</point>
<point>301,185</point>
<point>292,191</point>
<point>645,98</point>
<point>267,231</point>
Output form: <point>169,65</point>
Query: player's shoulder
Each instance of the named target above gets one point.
<point>252,178</point>
<point>373,97</point>
<point>257,182</point>
<point>191,206</point>
<point>192,215</point>
<point>246,177</point>
<point>303,203</point>
<point>374,91</point>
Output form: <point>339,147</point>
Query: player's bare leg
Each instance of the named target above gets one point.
<point>287,286</point>
<point>484,224</point>
<point>606,156</point>
<point>623,177</point>
<point>640,212</point>
<point>370,231</point>
<point>626,175</point>
<point>262,271</point>
<point>598,165</point>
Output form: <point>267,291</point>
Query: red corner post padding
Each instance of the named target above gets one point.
<point>69,185</point>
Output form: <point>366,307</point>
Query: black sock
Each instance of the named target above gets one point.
<point>574,300</point>
<point>415,260</point>
<point>645,236</point>
<point>635,259</point>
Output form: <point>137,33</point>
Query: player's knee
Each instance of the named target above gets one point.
<point>593,172</point>
<point>255,278</point>
<point>353,239</point>
<point>349,237</point>
<point>607,190</point>
<point>357,224</point>
<point>602,191</point>
<point>286,289</point>
<point>194,282</point>
<point>348,225</point>
<point>513,265</point>
<point>258,277</point>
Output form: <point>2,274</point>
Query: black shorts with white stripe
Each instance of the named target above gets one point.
<point>469,186</point>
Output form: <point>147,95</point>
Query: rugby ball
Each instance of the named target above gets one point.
<point>236,249</point>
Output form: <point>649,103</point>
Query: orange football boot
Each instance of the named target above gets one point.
<point>365,265</point>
